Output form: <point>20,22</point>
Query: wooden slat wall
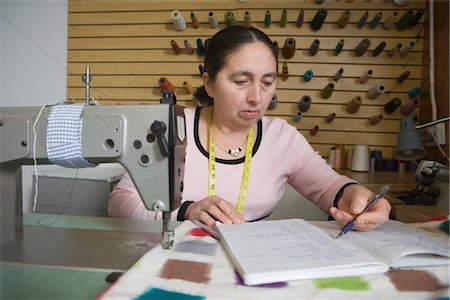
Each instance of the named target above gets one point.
<point>126,43</point>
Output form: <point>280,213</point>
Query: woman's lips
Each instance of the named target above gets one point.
<point>250,114</point>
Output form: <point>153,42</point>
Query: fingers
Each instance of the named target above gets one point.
<point>377,215</point>
<point>229,211</point>
<point>341,216</point>
<point>212,209</point>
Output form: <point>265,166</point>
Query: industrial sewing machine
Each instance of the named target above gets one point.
<point>148,140</point>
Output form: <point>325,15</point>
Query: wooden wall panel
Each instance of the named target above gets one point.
<point>126,44</point>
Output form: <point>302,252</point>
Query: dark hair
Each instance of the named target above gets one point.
<point>224,43</point>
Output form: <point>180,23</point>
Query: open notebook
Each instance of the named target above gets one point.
<point>283,250</point>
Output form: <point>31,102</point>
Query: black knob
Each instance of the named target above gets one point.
<point>158,128</point>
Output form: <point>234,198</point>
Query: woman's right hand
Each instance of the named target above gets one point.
<point>212,209</point>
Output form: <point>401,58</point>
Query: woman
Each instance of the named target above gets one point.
<point>238,161</point>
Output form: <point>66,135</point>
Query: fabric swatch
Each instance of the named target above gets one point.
<point>282,284</point>
<point>415,280</point>
<point>186,270</point>
<point>352,283</point>
<point>200,232</point>
<point>197,247</point>
<point>155,293</point>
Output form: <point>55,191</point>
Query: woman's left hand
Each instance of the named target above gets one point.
<point>353,202</point>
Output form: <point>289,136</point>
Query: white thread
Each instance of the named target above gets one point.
<point>213,23</point>
<point>178,20</point>
<point>34,156</point>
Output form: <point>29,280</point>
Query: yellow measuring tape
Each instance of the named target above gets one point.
<point>247,164</point>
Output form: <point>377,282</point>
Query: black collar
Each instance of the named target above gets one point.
<point>220,160</point>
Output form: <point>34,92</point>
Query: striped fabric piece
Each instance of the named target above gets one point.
<point>64,136</point>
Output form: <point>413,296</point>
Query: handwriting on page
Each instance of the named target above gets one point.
<point>289,242</point>
<point>395,238</point>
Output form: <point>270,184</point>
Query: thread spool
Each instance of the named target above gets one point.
<point>407,48</point>
<point>362,47</point>
<point>340,157</point>
<point>229,19</point>
<point>337,160</point>
<point>403,76</point>
<point>314,47</point>
<point>283,18</point>
<point>178,20</point>
<point>338,74</point>
<point>273,103</point>
<point>376,154</point>
<point>285,72</point>
<point>348,159</point>
<point>415,92</point>
<point>275,44</point>
<point>194,20</point>
<point>362,20</point>
<point>289,48</point>
<point>247,18</point>
<point>375,157</point>
<point>354,105</point>
<point>201,69</point>
<point>394,50</point>
<point>415,20</point>
<point>374,120</point>
<point>267,18</point>
<point>390,165</point>
<point>378,49</point>
<point>409,107</point>
<point>339,47</point>
<point>200,48</point>
<point>366,76</point>
<point>297,116</point>
<point>390,20</point>
<point>212,20</point>
<point>343,19</point>
<point>188,87</point>
<point>318,19</point>
<point>375,91</point>
<point>392,105</point>
<point>375,21</point>
<point>327,91</point>
<point>376,164</point>
<point>175,47</point>
<point>308,75</point>
<point>165,84</point>
<point>330,118</point>
<point>188,47</point>
<point>300,18</point>
<point>305,103</point>
<point>404,20</point>
<point>314,130</point>
<point>360,158</point>
<point>332,157</point>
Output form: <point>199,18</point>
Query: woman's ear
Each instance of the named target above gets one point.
<point>208,84</point>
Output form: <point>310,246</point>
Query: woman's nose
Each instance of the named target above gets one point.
<point>254,94</point>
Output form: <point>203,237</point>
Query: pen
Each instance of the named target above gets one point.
<point>371,202</point>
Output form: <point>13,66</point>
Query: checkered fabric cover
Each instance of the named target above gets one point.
<point>64,136</point>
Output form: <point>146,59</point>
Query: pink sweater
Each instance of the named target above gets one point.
<point>281,155</point>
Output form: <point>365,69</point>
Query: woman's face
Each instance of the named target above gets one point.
<point>243,89</point>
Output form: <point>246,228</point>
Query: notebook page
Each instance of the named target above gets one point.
<point>291,246</point>
<point>393,241</point>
